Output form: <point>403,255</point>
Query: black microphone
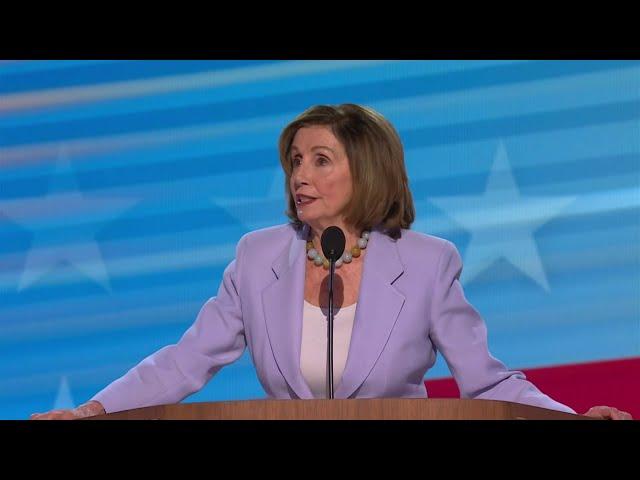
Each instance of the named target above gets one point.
<point>333,242</point>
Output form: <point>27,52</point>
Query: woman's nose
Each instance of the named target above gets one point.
<point>301,175</point>
<point>298,182</point>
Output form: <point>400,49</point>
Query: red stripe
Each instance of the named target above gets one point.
<point>615,383</point>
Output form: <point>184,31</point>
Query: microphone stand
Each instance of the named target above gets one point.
<point>332,242</point>
<point>332,266</point>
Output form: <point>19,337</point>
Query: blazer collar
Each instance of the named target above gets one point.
<point>379,304</point>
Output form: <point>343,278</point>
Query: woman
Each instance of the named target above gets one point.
<point>397,294</point>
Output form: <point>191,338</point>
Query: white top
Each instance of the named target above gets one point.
<point>313,352</point>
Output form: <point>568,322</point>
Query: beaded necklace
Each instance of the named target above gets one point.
<point>318,259</point>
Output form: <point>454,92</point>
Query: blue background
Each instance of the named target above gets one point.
<point>125,185</point>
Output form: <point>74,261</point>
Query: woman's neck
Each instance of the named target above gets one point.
<point>351,234</point>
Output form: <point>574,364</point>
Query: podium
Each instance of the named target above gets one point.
<point>350,409</point>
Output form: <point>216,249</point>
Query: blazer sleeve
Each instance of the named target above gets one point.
<point>215,339</point>
<point>458,331</point>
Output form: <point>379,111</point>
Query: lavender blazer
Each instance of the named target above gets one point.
<point>410,306</point>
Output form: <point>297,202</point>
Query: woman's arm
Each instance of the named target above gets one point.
<point>459,332</point>
<point>215,339</point>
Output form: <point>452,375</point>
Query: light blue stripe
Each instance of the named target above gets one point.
<point>359,73</point>
<point>233,111</point>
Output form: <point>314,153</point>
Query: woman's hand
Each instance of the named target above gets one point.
<point>608,413</point>
<point>88,409</point>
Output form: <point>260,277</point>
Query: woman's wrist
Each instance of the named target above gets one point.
<point>90,409</point>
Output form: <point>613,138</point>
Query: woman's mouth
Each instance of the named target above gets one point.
<point>302,200</point>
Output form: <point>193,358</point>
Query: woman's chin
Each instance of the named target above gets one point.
<point>309,220</point>
<point>306,217</point>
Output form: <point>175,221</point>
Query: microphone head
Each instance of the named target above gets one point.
<point>333,242</point>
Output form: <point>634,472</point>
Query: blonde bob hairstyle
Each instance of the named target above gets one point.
<point>381,196</point>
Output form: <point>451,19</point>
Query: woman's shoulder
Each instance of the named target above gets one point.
<point>423,242</point>
<point>421,251</point>
<point>268,238</point>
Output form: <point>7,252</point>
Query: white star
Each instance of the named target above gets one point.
<point>73,241</point>
<point>64,400</point>
<point>502,222</point>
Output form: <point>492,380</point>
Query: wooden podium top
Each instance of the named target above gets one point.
<point>353,409</point>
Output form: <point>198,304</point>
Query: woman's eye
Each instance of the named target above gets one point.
<point>295,162</point>
<point>322,160</point>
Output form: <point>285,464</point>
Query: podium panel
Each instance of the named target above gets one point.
<point>352,409</point>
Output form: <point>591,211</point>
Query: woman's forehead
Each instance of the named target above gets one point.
<point>314,137</point>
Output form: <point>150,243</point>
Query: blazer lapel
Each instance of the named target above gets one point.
<point>379,304</point>
<point>282,303</point>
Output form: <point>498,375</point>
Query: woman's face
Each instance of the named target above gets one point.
<point>320,181</point>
